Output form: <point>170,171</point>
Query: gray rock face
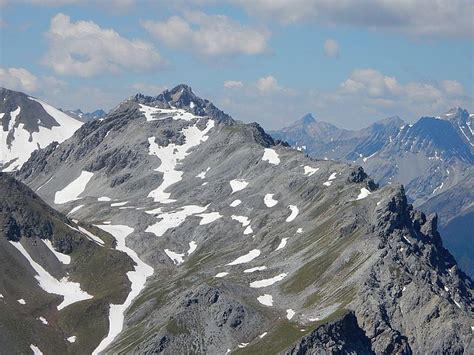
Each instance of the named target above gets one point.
<point>432,158</point>
<point>343,336</point>
<point>255,247</point>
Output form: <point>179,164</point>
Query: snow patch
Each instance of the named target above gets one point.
<point>252,254</point>
<point>294,213</point>
<point>290,313</point>
<point>172,219</point>
<point>363,193</point>
<point>75,209</point>
<point>36,350</point>
<point>118,204</point>
<point>63,258</point>
<point>221,274</point>
<point>43,320</point>
<point>71,291</point>
<point>282,244</point>
<point>309,170</point>
<point>267,282</point>
<point>210,217</point>
<point>21,301</point>
<point>175,257</point>
<point>202,175</point>
<point>235,203</point>
<point>192,247</point>
<point>238,184</point>
<point>171,155</point>
<point>245,221</point>
<point>253,269</point>
<point>72,339</point>
<point>299,230</point>
<point>271,156</point>
<point>269,200</point>
<point>72,191</point>
<point>137,279</point>
<point>91,236</point>
<point>104,199</point>
<point>266,300</point>
<point>330,179</point>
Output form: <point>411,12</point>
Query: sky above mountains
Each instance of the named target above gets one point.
<point>349,62</point>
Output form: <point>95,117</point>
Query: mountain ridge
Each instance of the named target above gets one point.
<point>255,247</point>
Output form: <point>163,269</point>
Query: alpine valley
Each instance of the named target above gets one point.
<point>168,227</point>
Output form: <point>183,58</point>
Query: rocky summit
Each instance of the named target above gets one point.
<point>226,241</point>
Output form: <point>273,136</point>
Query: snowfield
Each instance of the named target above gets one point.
<point>71,291</point>
<point>24,143</point>
<point>171,155</point>
<point>72,191</point>
<point>173,219</point>
<point>137,279</point>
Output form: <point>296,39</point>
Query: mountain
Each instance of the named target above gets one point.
<point>247,245</point>
<point>29,124</point>
<point>86,116</point>
<point>432,156</point>
<point>58,276</point>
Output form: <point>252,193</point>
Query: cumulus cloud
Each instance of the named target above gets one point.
<point>268,84</point>
<point>18,79</point>
<point>331,48</point>
<point>381,94</point>
<point>233,84</point>
<point>415,17</point>
<point>84,49</point>
<point>208,35</point>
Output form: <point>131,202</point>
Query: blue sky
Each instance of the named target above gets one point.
<point>265,61</point>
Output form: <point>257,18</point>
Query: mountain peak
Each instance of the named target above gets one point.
<point>307,119</point>
<point>455,114</point>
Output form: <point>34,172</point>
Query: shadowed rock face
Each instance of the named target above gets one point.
<point>101,272</point>
<point>232,269</point>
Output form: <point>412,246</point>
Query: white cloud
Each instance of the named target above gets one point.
<point>233,84</point>
<point>58,3</point>
<point>85,49</point>
<point>208,35</point>
<point>414,17</point>
<point>18,79</point>
<point>268,84</point>
<point>331,48</point>
<point>372,82</point>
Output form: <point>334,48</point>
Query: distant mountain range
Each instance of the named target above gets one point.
<point>433,158</point>
<point>86,116</point>
<point>169,227</point>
